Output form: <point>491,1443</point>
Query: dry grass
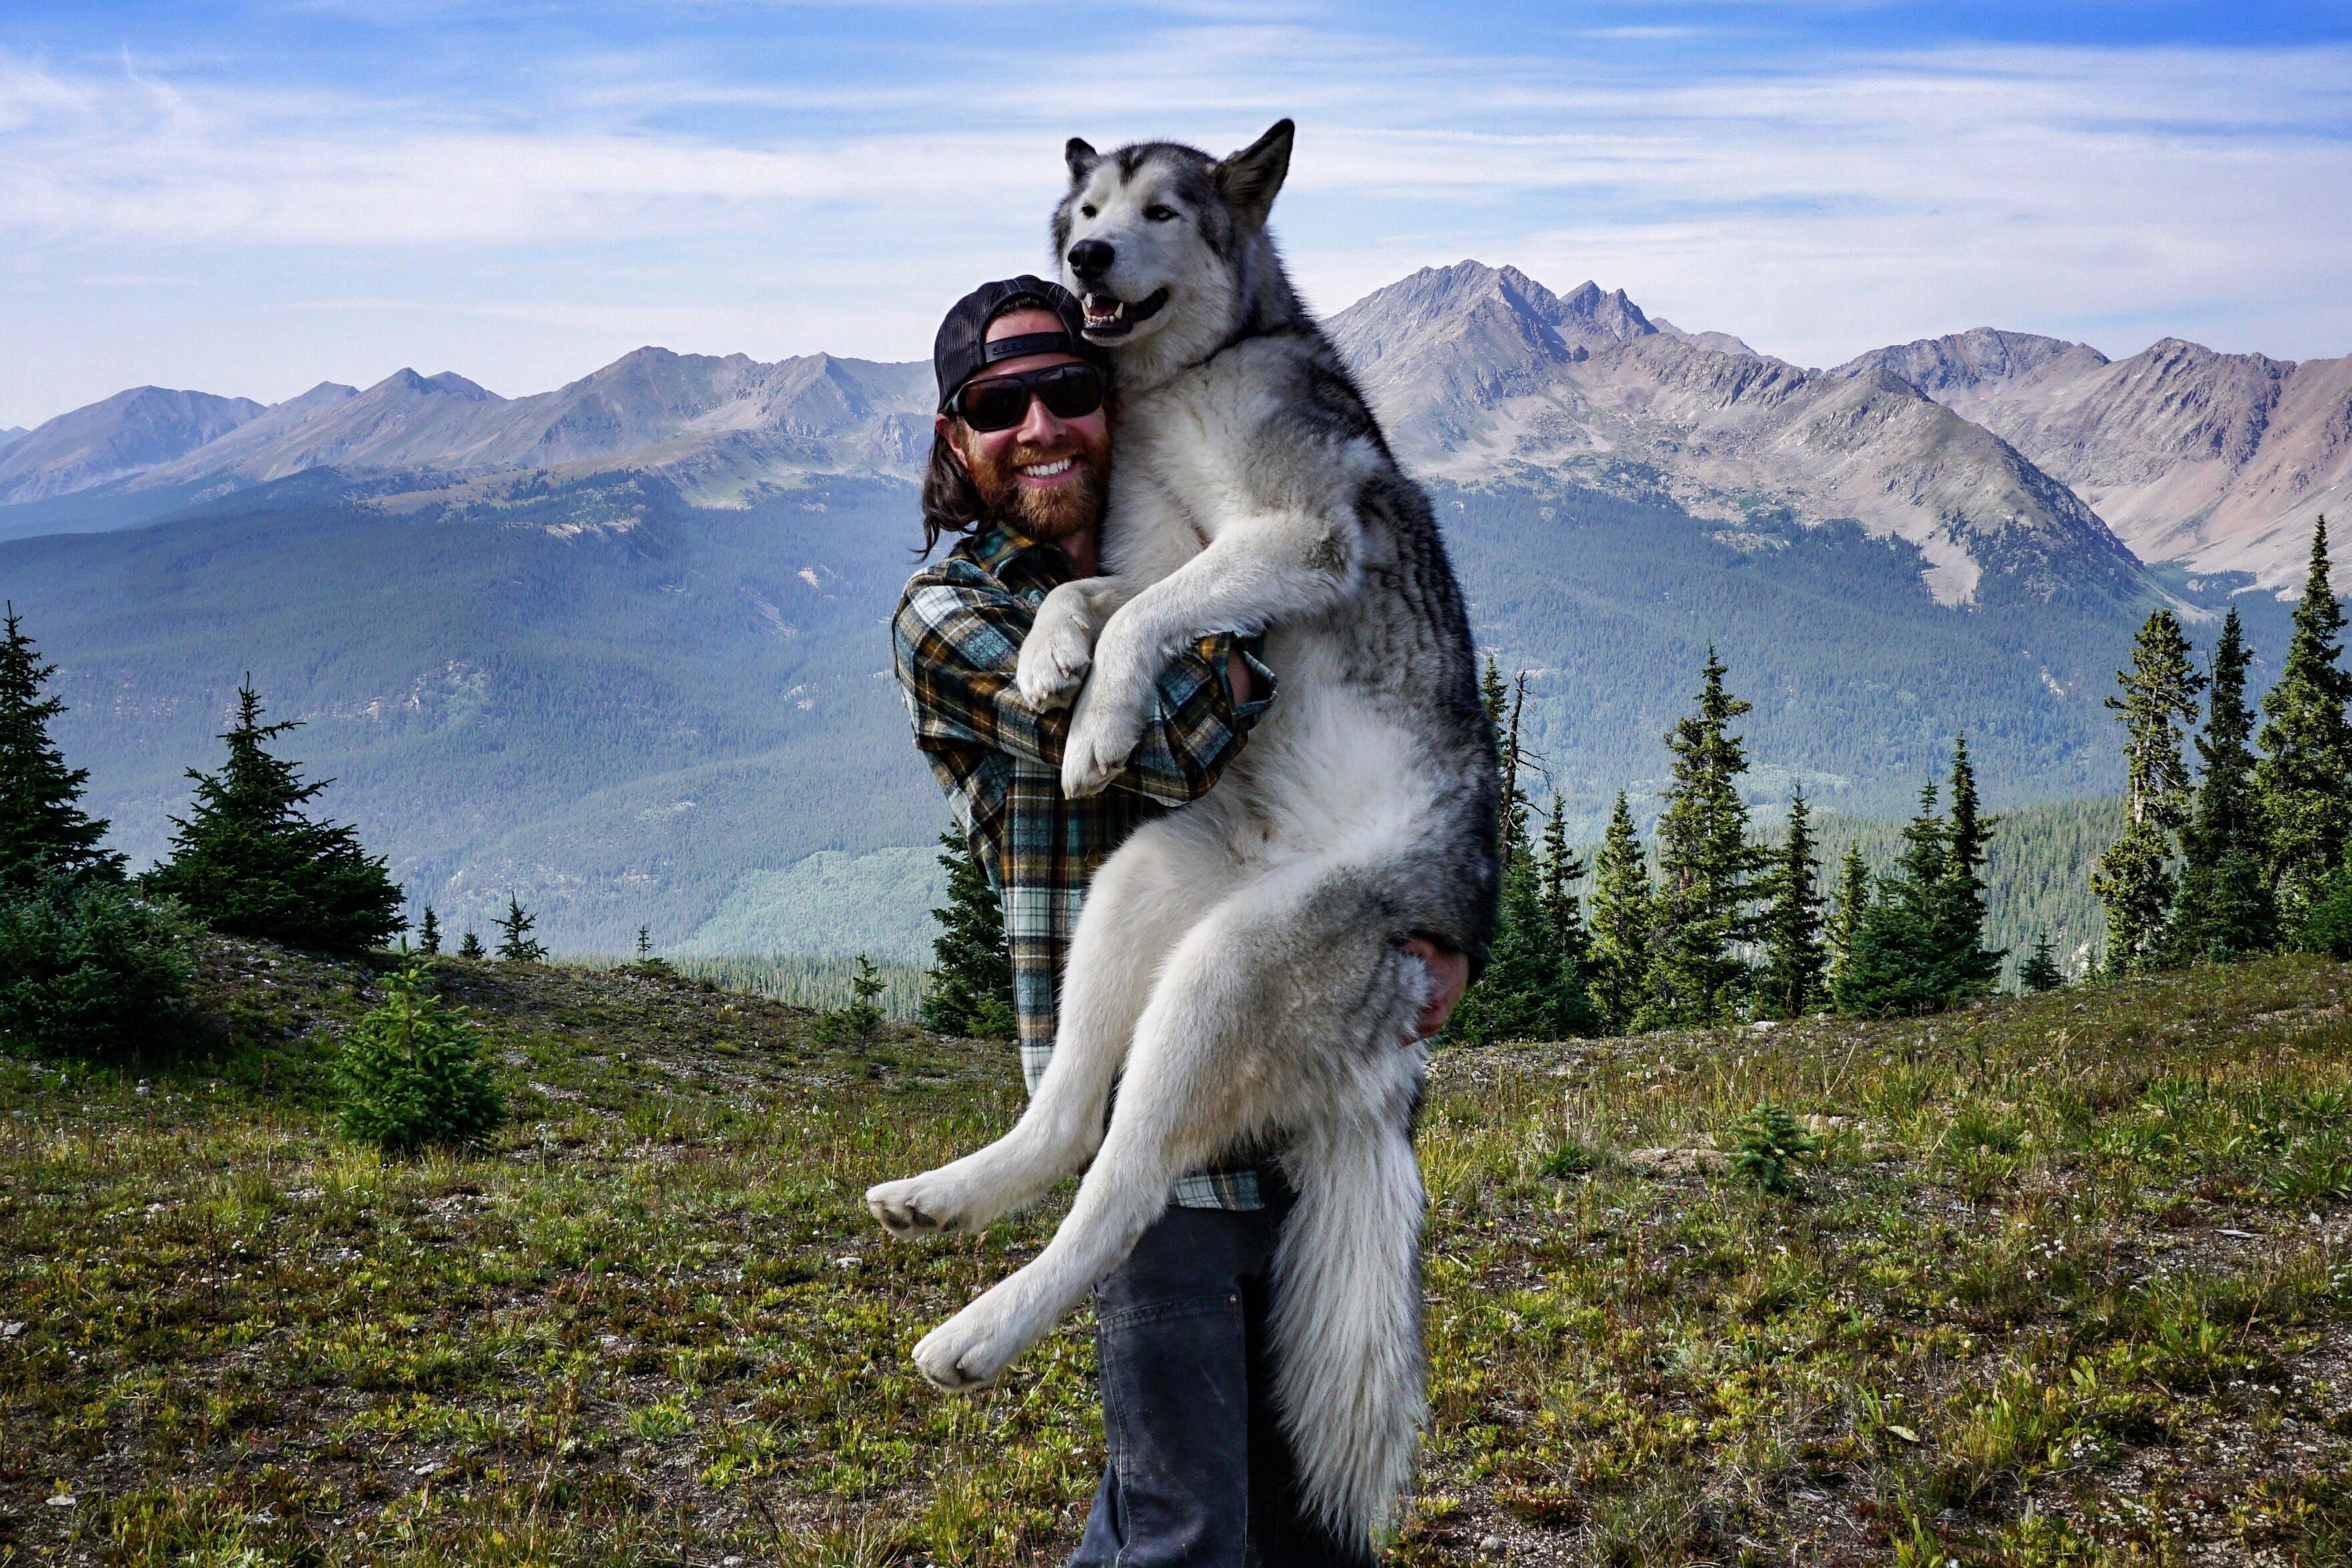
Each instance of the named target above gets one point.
<point>2067,1284</point>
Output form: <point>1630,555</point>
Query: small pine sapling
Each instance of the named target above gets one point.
<point>470,946</point>
<point>861,1020</point>
<point>429,933</point>
<point>516,945</point>
<point>1770,1144</point>
<point>413,1073</point>
<point>2039,971</point>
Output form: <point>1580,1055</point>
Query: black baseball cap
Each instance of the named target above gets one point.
<point>961,350</point>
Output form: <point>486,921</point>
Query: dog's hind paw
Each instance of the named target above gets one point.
<point>918,1204</point>
<point>972,1349</point>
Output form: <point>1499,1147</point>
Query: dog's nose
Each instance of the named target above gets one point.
<point>1090,258</point>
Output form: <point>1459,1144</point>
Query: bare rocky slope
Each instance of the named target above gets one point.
<point>1478,370</point>
<point>2218,462</point>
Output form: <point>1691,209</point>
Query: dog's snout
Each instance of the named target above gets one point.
<point>1090,258</point>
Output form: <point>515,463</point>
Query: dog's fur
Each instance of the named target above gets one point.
<point>1237,969</point>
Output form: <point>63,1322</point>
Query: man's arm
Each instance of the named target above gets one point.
<point>957,650</point>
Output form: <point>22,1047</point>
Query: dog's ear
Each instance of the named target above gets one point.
<point>1249,178</point>
<point>1081,157</point>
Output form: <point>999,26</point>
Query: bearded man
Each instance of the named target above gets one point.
<point>1198,1474</point>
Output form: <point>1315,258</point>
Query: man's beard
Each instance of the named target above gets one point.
<point>1047,513</point>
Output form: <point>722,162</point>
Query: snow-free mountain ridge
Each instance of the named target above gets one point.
<point>2038,460</point>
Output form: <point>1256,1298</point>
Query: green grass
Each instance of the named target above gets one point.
<point>2066,1282</point>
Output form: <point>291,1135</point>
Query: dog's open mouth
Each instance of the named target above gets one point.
<point>1108,318</point>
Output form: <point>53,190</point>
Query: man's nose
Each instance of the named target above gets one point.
<point>1090,258</point>
<point>1040,427</point>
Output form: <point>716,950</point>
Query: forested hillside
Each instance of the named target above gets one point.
<point>634,711</point>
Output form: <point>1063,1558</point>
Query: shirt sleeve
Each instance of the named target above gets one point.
<point>957,648</point>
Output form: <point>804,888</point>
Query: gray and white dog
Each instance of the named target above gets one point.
<point>1237,969</point>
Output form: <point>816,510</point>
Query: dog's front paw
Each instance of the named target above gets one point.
<point>972,1349</point>
<point>927,1202</point>
<point>1057,653</point>
<point>1103,735</point>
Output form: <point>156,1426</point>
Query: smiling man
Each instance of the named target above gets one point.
<point>1198,1471</point>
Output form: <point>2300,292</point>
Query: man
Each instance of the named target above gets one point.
<point>1199,1472</point>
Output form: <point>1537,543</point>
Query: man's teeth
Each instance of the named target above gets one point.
<point>1048,470</point>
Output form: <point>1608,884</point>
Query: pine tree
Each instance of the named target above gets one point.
<point>470,946</point>
<point>1853,902</point>
<point>1895,956</point>
<point>1517,997</point>
<point>2224,910</point>
<point>645,943</point>
<point>412,1072</point>
<point>429,935</point>
<point>1967,967</point>
<point>1705,866</point>
<point>2303,785</point>
<point>856,1024</point>
<point>2134,879</point>
<point>2040,971</point>
<point>1791,982</point>
<point>43,828</point>
<point>516,945</point>
<point>970,990</point>
<point>246,861</point>
<point>1621,920</point>
<point>1574,1016</point>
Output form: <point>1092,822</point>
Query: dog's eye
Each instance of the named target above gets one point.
<point>1085,212</point>
<point>1158,214</point>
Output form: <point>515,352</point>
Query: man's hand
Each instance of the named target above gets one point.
<point>1449,977</point>
<point>1237,675</point>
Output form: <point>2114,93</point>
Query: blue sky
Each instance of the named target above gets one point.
<point>250,199</point>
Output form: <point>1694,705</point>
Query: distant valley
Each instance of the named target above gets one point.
<point>621,647</point>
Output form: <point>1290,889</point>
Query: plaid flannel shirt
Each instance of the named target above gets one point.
<point>957,644</point>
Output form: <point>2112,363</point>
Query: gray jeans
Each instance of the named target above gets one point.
<point>1200,1475</point>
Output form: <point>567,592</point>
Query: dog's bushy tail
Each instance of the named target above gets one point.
<point>1349,1363</point>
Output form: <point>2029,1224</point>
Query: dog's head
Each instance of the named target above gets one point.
<point>1164,243</point>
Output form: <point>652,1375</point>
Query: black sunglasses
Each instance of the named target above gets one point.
<point>999,402</point>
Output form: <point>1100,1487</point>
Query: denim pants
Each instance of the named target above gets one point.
<point>1200,1475</point>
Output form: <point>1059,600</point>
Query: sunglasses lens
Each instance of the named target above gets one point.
<point>994,405</point>
<point>1071,391</point>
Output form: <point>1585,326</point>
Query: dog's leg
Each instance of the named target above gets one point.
<point>1140,901</point>
<point>1060,646</point>
<point>1286,567</point>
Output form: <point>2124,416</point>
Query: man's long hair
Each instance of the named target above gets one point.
<point>951,503</point>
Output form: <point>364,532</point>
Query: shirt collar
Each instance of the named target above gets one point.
<point>993,547</point>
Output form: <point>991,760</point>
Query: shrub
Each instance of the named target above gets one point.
<point>2328,926</point>
<point>1769,1144</point>
<point>412,1072</point>
<point>88,969</point>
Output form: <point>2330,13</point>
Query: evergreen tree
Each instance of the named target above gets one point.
<point>1967,966</point>
<point>970,991</point>
<point>43,828</point>
<point>645,943</point>
<point>516,944</point>
<point>2134,879</point>
<point>1517,997</point>
<point>429,935</point>
<point>1621,922</point>
<point>245,859</point>
<point>856,1024</point>
<point>1791,982</point>
<point>2224,909</point>
<point>470,946</point>
<point>1894,962</point>
<point>2040,971</point>
<point>2303,785</point>
<point>88,968</point>
<point>412,1072</point>
<point>1705,866</point>
<point>1853,900</point>
<point>1575,1015</point>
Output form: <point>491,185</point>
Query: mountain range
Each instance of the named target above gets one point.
<point>620,646</point>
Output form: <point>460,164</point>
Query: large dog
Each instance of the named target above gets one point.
<point>1237,969</point>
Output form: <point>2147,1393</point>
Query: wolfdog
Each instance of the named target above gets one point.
<point>1237,972</point>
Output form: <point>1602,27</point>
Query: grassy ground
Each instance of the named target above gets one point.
<point>2068,1285</point>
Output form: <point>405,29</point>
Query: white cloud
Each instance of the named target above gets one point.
<point>2110,194</point>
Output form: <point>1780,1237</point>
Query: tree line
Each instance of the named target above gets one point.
<point>2248,854</point>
